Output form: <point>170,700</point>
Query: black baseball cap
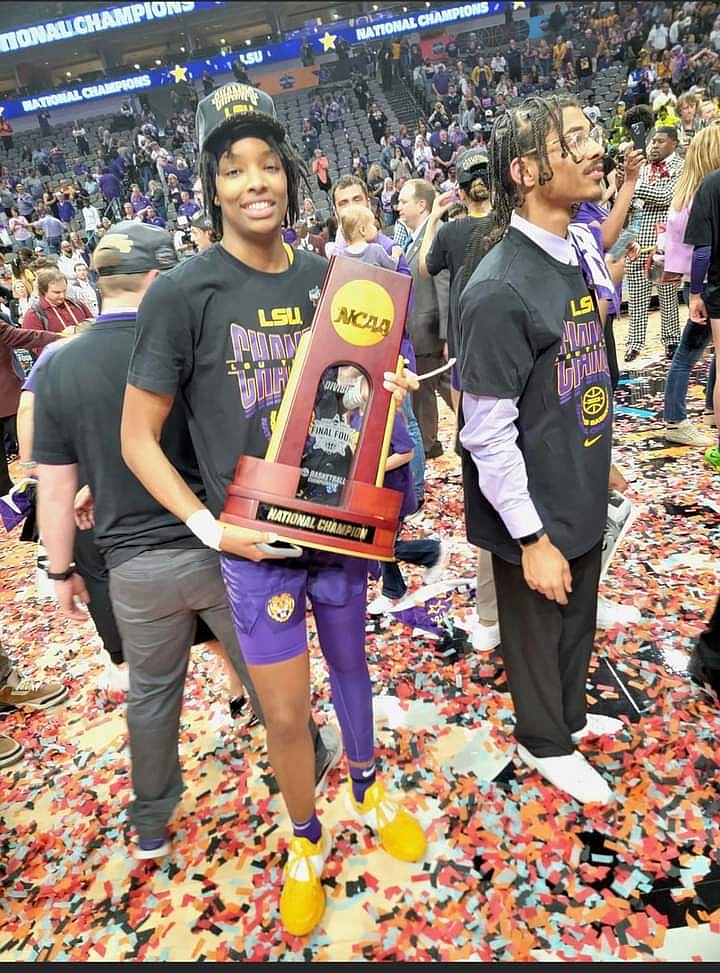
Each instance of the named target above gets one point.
<point>131,247</point>
<point>200,221</point>
<point>471,164</point>
<point>233,105</point>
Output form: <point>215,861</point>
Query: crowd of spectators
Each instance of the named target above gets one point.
<point>667,58</point>
<point>54,208</point>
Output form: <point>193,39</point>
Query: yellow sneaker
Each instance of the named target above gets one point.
<point>302,901</point>
<point>400,834</point>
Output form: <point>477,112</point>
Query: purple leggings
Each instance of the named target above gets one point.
<point>267,602</point>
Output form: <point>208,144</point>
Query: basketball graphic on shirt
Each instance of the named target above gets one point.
<point>362,313</point>
<point>594,409</point>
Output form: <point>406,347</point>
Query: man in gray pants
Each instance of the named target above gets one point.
<point>162,578</point>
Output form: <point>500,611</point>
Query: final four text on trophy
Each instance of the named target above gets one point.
<point>320,484</point>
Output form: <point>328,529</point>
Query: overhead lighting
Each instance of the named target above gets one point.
<point>136,66</point>
<point>248,42</point>
<point>404,10</point>
<point>375,7</point>
<point>182,50</point>
<point>336,16</point>
<point>158,62</point>
<point>68,75</point>
<point>222,40</point>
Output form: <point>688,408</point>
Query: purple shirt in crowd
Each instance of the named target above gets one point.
<point>400,479</point>
<point>52,227</point>
<point>110,185</point>
<point>139,202</point>
<point>374,255</point>
<point>188,209</point>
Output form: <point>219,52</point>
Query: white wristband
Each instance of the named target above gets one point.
<point>206,528</point>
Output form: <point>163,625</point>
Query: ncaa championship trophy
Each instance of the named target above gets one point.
<point>320,484</point>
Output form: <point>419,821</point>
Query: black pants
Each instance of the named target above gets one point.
<point>7,427</point>
<point>424,551</point>
<point>91,567</point>
<point>546,648</point>
<point>611,350</point>
<point>10,440</point>
<point>708,645</point>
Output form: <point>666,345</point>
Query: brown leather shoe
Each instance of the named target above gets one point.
<point>10,751</point>
<point>20,693</point>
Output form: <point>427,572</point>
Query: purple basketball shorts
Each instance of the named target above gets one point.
<point>267,599</point>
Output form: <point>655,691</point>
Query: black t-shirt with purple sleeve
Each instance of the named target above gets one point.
<point>529,330</point>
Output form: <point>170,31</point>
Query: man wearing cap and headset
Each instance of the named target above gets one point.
<point>220,335</point>
<point>162,578</point>
<point>201,231</point>
<point>194,236</point>
<point>445,247</point>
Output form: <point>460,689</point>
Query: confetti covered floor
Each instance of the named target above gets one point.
<point>515,871</point>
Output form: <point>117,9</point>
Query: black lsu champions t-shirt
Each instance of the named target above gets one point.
<point>222,337</point>
<point>529,330</point>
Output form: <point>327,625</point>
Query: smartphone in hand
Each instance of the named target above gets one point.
<point>639,136</point>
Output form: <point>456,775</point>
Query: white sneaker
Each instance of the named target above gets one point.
<point>381,604</point>
<point>484,638</point>
<point>620,517</point>
<point>113,679</point>
<point>598,725</point>
<point>612,615</point>
<point>436,572</point>
<point>418,517</point>
<point>686,434</point>
<point>334,751</point>
<point>571,774</point>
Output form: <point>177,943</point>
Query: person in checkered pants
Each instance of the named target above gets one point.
<point>654,193</point>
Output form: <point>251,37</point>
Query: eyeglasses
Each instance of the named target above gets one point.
<point>576,141</point>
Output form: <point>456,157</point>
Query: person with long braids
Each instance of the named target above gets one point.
<point>536,415</point>
<point>220,335</point>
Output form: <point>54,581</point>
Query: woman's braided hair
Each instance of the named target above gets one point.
<point>516,133</point>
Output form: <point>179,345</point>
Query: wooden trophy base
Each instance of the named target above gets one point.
<point>262,497</point>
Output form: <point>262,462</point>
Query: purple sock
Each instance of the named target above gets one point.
<point>362,778</point>
<point>309,829</point>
